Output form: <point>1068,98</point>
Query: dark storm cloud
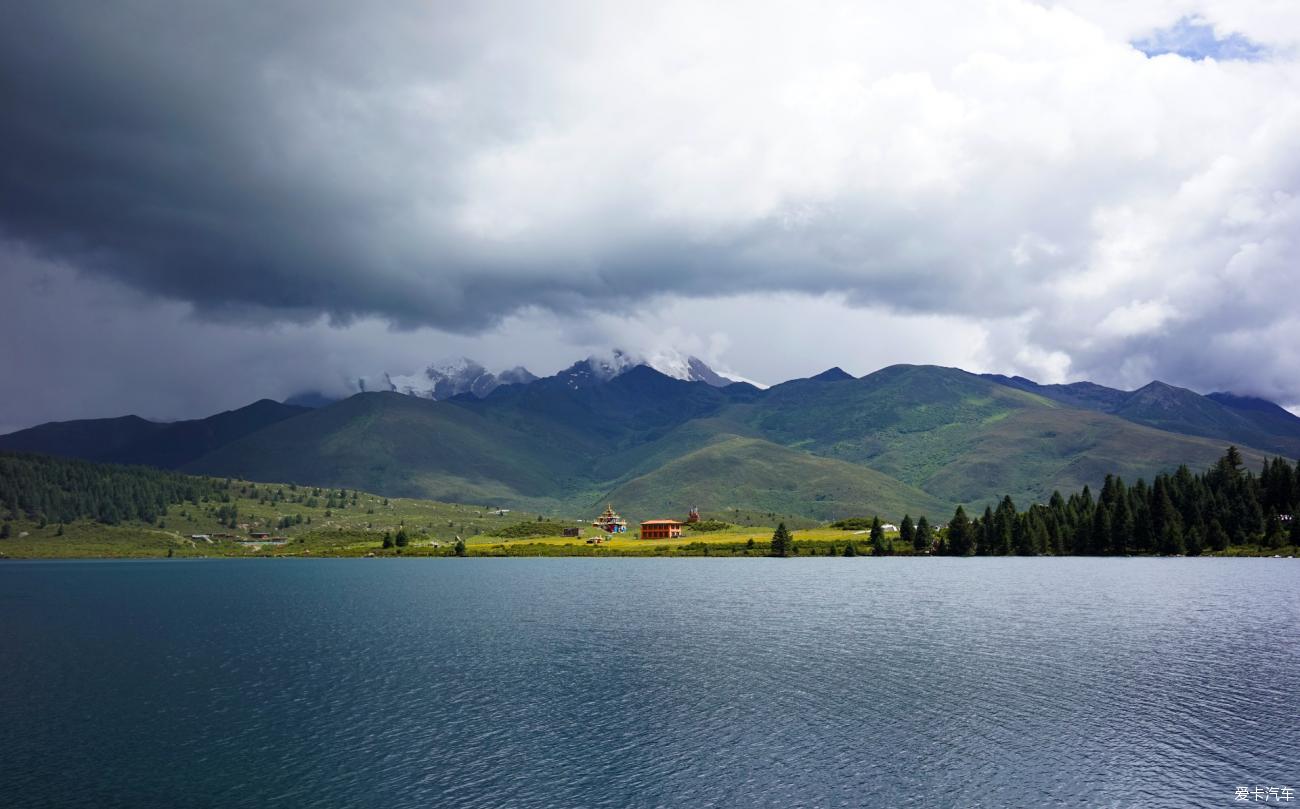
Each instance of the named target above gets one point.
<point>318,157</point>
<point>147,141</point>
<point>446,165</point>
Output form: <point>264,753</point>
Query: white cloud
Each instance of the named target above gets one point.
<point>999,184</point>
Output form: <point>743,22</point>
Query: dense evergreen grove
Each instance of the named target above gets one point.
<point>44,488</point>
<point>1179,513</point>
<point>59,490</point>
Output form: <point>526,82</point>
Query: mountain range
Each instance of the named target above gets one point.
<point>906,438</point>
<point>456,377</point>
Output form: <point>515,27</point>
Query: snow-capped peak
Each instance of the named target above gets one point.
<point>668,362</point>
<point>447,378</point>
<point>442,380</point>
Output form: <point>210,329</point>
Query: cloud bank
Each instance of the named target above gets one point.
<point>1070,190</point>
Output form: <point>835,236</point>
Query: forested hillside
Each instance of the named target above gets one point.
<point>48,489</point>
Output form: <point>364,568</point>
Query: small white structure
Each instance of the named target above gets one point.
<point>889,526</point>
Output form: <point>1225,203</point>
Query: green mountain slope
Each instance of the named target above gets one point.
<point>88,439</point>
<point>750,474</point>
<point>1030,453</point>
<point>400,445</point>
<point>1265,415</point>
<point>967,439</point>
<point>184,441</point>
<point>1227,418</point>
<point>133,440</point>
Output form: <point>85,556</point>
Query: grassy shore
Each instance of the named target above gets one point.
<point>431,528</point>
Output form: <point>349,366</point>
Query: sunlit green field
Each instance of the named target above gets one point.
<point>356,523</point>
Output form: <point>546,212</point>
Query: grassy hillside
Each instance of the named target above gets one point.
<point>1030,453</point>
<point>1227,418</point>
<point>860,419</point>
<point>404,446</point>
<point>750,474</point>
<point>965,439</point>
<point>53,507</point>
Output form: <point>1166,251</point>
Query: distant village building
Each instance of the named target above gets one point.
<point>661,529</point>
<point>889,526</point>
<point>694,515</point>
<point>259,535</point>
<point>571,532</point>
<point>610,522</point>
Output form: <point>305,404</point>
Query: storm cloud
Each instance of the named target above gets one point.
<point>1090,190</point>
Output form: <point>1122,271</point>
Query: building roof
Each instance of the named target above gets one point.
<point>661,522</point>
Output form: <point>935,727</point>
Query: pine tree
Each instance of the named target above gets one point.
<point>388,539</point>
<point>849,550</point>
<point>1099,538</point>
<point>984,534</point>
<point>1217,538</point>
<point>1121,525</point>
<point>923,541</point>
<point>907,532</point>
<point>880,545</point>
<point>460,547</point>
<point>961,538</point>
<point>1004,521</point>
<point>1274,536</point>
<point>781,541</point>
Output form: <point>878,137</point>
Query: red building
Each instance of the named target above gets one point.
<point>661,529</point>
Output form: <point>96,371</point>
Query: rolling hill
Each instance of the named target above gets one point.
<point>750,474</point>
<point>405,446</point>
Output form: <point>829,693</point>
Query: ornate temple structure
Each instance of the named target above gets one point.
<point>610,522</point>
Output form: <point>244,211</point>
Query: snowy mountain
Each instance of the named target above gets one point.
<point>604,367</point>
<point>455,377</point>
<point>446,379</point>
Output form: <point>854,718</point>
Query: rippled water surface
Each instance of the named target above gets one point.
<point>648,682</point>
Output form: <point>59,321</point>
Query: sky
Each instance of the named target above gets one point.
<point>206,204</point>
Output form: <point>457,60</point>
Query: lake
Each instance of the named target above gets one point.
<point>648,682</point>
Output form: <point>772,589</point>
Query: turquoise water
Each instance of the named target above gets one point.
<point>648,682</point>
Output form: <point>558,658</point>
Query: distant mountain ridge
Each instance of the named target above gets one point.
<point>457,377</point>
<point>904,438</point>
<point>133,440</point>
<point>1246,420</point>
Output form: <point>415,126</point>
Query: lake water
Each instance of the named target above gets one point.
<point>648,682</point>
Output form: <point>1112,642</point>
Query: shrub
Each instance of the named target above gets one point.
<point>521,530</point>
<point>705,526</point>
